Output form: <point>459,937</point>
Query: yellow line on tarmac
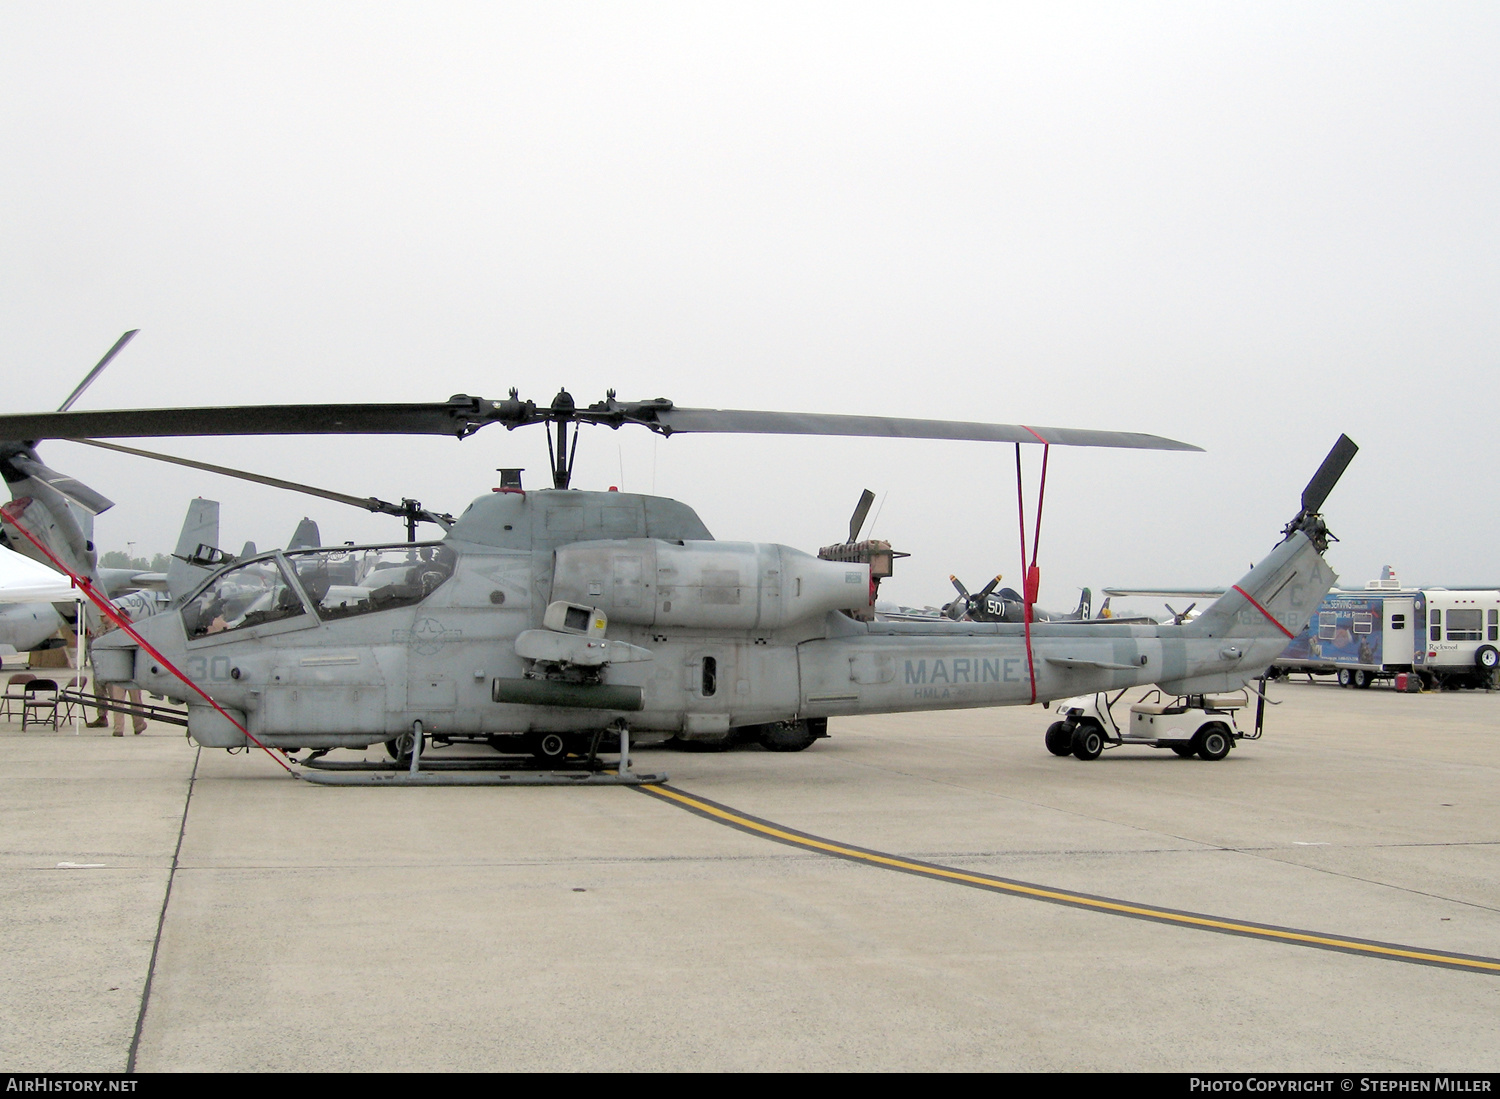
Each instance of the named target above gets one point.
<point>756,826</point>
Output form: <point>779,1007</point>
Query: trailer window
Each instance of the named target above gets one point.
<point>1435,633</point>
<point>1465,625</point>
<point>1364,623</point>
<point>1398,621</point>
<point>1494,627</point>
<point>1328,625</point>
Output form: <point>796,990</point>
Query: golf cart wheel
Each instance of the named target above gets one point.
<point>1088,740</point>
<point>1345,677</point>
<point>1059,738</point>
<point>1186,751</point>
<point>1214,742</point>
<point>547,747</point>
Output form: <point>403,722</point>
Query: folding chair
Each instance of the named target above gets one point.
<point>40,699</point>
<point>70,705</point>
<point>10,701</point>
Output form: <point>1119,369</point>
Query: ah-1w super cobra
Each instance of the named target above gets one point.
<point>555,614</point>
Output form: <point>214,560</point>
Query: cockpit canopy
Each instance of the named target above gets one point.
<point>332,583</point>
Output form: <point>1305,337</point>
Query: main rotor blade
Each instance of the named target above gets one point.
<point>368,503</point>
<point>460,416</point>
<point>1328,474</point>
<point>861,510</point>
<point>98,369</point>
<point>463,415</point>
<point>891,427</point>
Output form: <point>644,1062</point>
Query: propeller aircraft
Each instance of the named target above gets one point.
<point>558,615</point>
<point>1007,605</point>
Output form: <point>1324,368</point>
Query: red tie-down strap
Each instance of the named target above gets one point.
<point>11,514</point>
<point>1032,582</point>
<point>1269,616</point>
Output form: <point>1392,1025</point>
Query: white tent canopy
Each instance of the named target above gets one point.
<point>23,580</point>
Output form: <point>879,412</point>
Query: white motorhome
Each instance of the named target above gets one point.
<point>1442,637</point>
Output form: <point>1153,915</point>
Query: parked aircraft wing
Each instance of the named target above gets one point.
<point>1167,593</point>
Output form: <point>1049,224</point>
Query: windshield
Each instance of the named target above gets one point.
<point>346,582</point>
<point>249,595</point>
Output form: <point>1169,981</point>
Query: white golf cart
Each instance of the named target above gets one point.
<point>1201,725</point>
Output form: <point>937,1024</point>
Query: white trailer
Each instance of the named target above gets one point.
<point>1439,637</point>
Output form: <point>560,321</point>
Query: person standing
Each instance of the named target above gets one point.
<point>116,694</point>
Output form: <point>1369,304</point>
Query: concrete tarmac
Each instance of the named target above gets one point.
<point>601,928</point>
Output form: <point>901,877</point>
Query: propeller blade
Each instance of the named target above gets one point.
<point>368,503</point>
<point>1328,474</point>
<point>74,490</point>
<point>98,369</point>
<point>861,510</point>
<point>959,584</point>
<point>671,421</point>
<point>984,591</point>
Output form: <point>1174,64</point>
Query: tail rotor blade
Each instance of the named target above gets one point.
<point>1328,474</point>
<point>861,511</point>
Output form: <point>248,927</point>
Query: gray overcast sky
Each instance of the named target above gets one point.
<point>1246,226</point>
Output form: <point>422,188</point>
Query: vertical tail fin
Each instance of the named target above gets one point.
<point>306,536</point>
<point>1275,598</point>
<point>200,528</point>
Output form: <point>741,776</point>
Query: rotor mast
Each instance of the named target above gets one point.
<point>562,414</point>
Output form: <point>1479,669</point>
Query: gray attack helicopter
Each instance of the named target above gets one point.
<point>558,614</point>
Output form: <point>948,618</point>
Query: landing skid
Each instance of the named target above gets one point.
<point>380,774</point>
<point>476,771</point>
